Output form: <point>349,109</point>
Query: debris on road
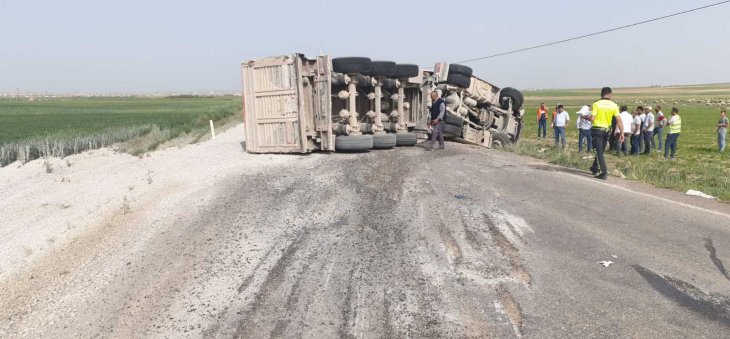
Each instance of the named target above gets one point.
<point>699,194</point>
<point>605,263</point>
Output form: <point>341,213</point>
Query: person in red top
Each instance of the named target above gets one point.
<point>542,114</point>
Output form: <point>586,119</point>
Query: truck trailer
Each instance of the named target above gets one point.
<point>294,104</point>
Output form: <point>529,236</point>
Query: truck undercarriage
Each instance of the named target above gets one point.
<point>293,104</point>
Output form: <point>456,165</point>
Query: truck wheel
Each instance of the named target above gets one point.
<point>382,69</point>
<point>404,71</point>
<point>461,70</point>
<point>351,65</point>
<point>500,140</point>
<point>459,80</point>
<point>453,119</point>
<point>453,131</point>
<point>405,139</point>
<point>515,95</point>
<point>353,143</point>
<point>384,141</point>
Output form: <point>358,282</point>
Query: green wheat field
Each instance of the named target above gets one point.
<point>31,129</point>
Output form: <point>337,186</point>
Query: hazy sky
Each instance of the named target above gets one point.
<point>147,46</point>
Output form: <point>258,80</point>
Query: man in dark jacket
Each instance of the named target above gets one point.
<point>438,111</point>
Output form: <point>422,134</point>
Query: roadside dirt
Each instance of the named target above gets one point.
<point>214,242</point>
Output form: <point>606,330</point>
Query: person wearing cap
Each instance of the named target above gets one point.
<point>602,112</point>
<point>542,115</point>
<point>648,131</point>
<point>584,129</point>
<point>675,128</point>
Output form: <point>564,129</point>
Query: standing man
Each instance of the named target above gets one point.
<point>642,117</point>
<point>722,130</point>
<point>438,110</point>
<point>648,131</point>
<point>659,126</point>
<point>542,113</point>
<point>627,120</point>
<point>636,132</point>
<point>675,127</point>
<point>560,122</point>
<point>584,129</point>
<point>601,113</point>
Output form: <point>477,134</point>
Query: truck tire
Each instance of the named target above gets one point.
<point>406,139</point>
<point>453,119</point>
<point>404,71</point>
<point>353,143</point>
<point>453,131</point>
<point>384,69</point>
<point>517,98</point>
<point>461,70</point>
<point>459,80</point>
<point>500,139</point>
<point>351,65</point>
<point>384,141</point>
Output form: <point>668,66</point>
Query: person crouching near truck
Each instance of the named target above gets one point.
<point>542,114</point>
<point>601,114</point>
<point>438,110</point>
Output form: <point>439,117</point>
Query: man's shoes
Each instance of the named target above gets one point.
<point>602,176</point>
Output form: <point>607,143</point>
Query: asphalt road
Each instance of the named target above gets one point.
<point>465,242</point>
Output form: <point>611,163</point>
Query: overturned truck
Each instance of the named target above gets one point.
<point>293,104</point>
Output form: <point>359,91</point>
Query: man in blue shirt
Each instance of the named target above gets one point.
<point>438,111</point>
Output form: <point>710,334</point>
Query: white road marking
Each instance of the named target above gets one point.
<point>596,181</point>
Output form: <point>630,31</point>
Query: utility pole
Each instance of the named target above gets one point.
<point>17,94</point>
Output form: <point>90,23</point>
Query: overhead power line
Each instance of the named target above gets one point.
<point>594,34</point>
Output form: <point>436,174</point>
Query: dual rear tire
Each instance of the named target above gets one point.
<point>365,142</point>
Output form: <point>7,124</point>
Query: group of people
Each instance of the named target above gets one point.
<point>605,125</point>
<point>643,128</point>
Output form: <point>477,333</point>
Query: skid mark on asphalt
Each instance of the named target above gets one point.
<point>713,306</point>
<point>511,308</point>
<point>452,247</point>
<point>715,260</point>
<point>274,278</point>
<point>507,249</point>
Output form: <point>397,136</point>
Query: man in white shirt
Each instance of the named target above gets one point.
<point>659,126</point>
<point>642,116</point>
<point>627,119</point>
<point>560,122</point>
<point>584,129</point>
<point>648,131</point>
<point>636,131</point>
